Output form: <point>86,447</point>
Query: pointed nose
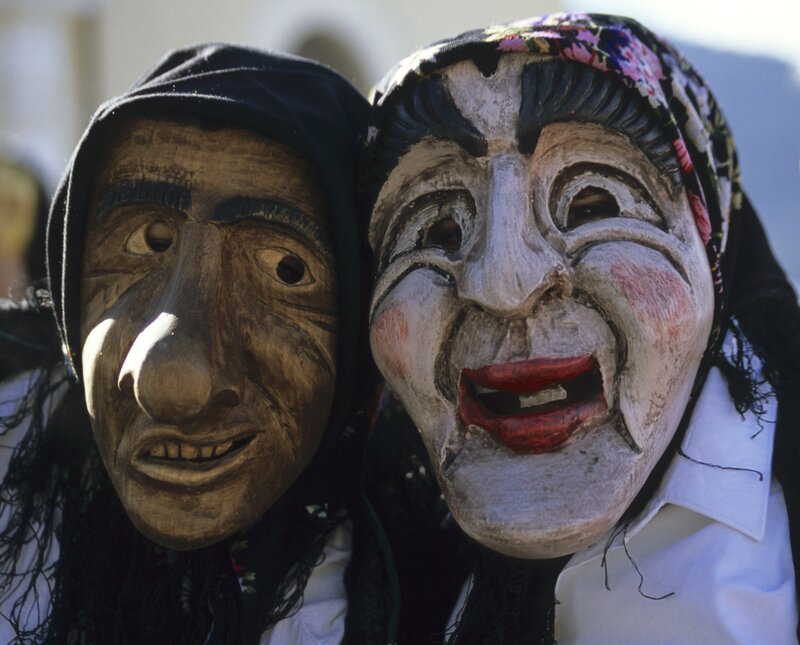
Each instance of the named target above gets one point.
<point>515,266</point>
<point>170,373</point>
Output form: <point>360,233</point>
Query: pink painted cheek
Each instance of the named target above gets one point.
<point>658,297</point>
<point>390,342</point>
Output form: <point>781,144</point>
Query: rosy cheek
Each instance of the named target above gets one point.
<point>658,297</point>
<point>390,342</point>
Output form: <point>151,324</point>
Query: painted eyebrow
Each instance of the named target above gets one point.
<point>172,196</point>
<point>557,91</point>
<point>425,109</point>
<point>241,208</point>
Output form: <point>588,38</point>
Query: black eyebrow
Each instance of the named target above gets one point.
<point>557,90</point>
<point>424,108</point>
<point>241,208</point>
<point>173,196</point>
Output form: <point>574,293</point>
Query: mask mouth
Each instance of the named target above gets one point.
<point>533,406</point>
<point>172,458</point>
<point>178,453</point>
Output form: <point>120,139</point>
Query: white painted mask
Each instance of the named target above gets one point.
<point>540,313</point>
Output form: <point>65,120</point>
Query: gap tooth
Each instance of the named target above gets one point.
<point>173,450</point>
<point>158,451</point>
<point>222,448</point>
<point>542,397</point>
<point>188,451</point>
<point>206,451</point>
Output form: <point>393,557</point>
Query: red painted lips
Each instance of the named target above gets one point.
<point>532,406</point>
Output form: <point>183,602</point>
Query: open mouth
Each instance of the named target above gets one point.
<point>171,458</point>
<point>184,452</point>
<point>532,406</point>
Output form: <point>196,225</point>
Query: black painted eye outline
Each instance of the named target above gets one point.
<point>151,238</point>
<point>591,193</point>
<point>285,267</point>
<point>444,233</point>
<point>441,219</point>
<point>590,204</point>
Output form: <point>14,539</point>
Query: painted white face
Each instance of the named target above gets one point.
<point>541,317</point>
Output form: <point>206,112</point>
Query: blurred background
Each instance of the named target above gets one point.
<point>59,59</point>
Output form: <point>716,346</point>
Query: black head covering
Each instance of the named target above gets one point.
<point>290,99</point>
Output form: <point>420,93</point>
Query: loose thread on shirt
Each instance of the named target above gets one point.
<point>623,529</point>
<point>604,562</point>
<point>761,425</point>
<point>738,468</point>
<point>638,572</point>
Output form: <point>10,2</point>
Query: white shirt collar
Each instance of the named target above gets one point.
<point>726,440</point>
<point>725,470</point>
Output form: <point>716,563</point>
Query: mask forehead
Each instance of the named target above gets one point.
<point>243,162</point>
<point>490,103</point>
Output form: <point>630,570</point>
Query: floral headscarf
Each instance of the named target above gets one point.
<point>685,108</point>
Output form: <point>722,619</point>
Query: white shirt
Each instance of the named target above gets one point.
<point>319,621</point>
<point>716,539</point>
<point>715,542</point>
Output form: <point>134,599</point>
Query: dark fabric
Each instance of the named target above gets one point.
<point>36,263</point>
<point>753,297</point>
<point>408,529</point>
<point>27,335</point>
<point>110,583</point>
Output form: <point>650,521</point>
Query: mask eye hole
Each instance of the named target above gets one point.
<point>150,238</point>
<point>158,236</point>
<point>591,204</point>
<point>446,233</point>
<point>290,269</point>
<point>284,266</point>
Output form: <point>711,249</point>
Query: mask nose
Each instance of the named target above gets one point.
<point>174,368</point>
<point>167,372</point>
<point>515,266</point>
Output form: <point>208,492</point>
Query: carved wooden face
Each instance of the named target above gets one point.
<point>541,316</point>
<point>208,325</point>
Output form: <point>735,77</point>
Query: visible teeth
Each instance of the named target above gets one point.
<point>542,397</point>
<point>222,448</point>
<point>189,451</point>
<point>479,389</point>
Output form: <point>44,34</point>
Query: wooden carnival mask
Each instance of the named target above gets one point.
<point>542,304</point>
<point>208,325</point>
